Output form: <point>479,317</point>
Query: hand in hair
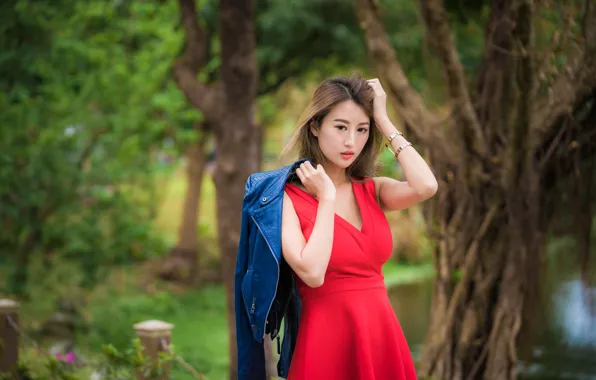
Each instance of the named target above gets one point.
<point>380,101</point>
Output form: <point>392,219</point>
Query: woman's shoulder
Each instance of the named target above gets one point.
<point>366,182</point>
<point>369,186</point>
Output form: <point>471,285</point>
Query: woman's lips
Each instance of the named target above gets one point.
<point>347,156</point>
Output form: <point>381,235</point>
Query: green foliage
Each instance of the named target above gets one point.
<point>114,364</point>
<point>85,108</point>
<point>296,36</point>
<point>123,364</point>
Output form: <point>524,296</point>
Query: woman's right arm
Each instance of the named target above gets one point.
<point>309,260</point>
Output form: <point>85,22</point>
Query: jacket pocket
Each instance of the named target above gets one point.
<point>249,286</point>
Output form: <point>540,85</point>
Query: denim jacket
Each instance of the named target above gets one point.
<point>265,290</point>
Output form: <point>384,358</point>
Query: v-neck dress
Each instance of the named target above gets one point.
<point>348,329</point>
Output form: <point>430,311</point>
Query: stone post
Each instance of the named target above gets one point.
<point>153,334</point>
<point>9,336</point>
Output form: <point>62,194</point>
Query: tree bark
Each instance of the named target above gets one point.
<point>183,263</point>
<point>229,108</point>
<point>435,18</point>
<point>492,152</point>
<point>421,124</point>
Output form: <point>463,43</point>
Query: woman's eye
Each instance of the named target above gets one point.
<point>341,127</point>
<point>362,130</point>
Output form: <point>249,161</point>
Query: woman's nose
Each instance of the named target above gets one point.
<point>349,141</point>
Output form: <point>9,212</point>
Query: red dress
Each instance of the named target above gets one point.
<point>348,330</point>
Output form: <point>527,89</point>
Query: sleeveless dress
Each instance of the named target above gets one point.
<point>348,329</point>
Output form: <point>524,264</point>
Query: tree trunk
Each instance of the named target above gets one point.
<point>233,166</point>
<point>228,106</point>
<point>182,264</point>
<point>476,318</point>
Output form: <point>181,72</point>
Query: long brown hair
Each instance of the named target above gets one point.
<point>330,93</point>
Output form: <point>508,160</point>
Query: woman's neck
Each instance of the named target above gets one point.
<point>336,174</point>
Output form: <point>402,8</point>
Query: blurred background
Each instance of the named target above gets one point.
<point>128,129</point>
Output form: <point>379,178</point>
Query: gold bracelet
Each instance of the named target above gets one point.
<point>390,138</point>
<point>399,148</point>
<point>394,135</point>
<point>402,147</point>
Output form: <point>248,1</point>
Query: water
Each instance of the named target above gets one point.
<point>563,345</point>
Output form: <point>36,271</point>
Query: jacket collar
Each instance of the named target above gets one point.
<point>276,186</point>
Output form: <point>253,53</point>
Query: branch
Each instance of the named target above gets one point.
<point>420,122</point>
<point>573,139</point>
<point>495,78</point>
<point>239,70</point>
<point>437,27</point>
<point>520,147</point>
<point>195,37</point>
<point>574,84</point>
<point>560,41</point>
<point>186,68</point>
<point>588,27</point>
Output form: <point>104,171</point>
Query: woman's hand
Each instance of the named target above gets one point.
<point>380,101</point>
<point>316,181</point>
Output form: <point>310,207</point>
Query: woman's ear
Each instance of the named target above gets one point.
<point>313,128</point>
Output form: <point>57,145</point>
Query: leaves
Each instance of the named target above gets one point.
<point>81,125</point>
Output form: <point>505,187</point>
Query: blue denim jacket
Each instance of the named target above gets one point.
<point>265,290</point>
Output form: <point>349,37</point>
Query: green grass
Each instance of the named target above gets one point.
<point>398,274</point>
<point>200,333</point>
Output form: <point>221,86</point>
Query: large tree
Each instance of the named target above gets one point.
<point>328,30</point>
<point>516,127</point>
<point>228,107</point>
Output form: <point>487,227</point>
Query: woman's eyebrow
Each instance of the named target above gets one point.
<point>347,122</point>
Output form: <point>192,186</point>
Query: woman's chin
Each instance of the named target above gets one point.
<point>343,164</point>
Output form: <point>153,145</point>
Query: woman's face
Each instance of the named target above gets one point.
<point>343,133</point>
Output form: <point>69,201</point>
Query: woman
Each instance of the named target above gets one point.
<point>335,236</point>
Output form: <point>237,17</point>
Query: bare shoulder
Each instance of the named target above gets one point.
<point>288,204</point>
<point>384,181</point>
<point>292,239</point>
<point>288,211</point>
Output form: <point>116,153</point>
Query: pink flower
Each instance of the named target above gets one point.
<point>70,357</point>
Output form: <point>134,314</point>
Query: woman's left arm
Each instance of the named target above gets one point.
<point>420,183</point>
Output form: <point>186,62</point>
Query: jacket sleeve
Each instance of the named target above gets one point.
<point>251,355</point>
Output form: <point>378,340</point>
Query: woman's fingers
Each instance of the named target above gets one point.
<point>374,83</point>
<point>307,168</point>
<point>300,175</point>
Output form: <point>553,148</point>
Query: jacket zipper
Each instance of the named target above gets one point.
<point>276,282</point>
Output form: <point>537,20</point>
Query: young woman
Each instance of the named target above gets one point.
<point>335,236</point>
